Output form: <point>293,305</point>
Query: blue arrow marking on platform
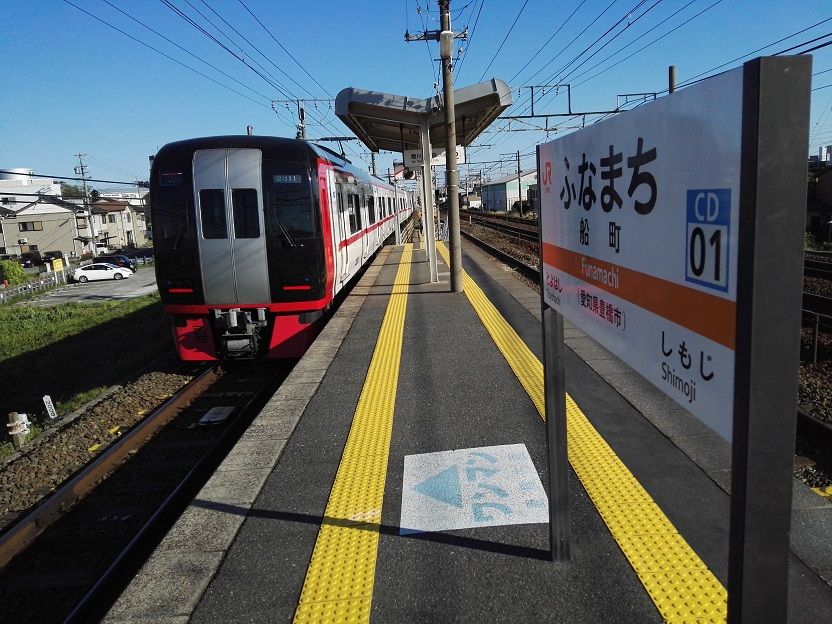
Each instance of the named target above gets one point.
<point>444,487</point>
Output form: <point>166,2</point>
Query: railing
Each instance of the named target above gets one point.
<point>49,281</point>
<point>817,326</point>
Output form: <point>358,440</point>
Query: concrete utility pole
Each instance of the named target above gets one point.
<point>301,121</point>
<point>81,170</point>
<point>519,185</point>
<point>446,45</point>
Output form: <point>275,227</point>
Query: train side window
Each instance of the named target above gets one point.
<point>355,212</point>
<point>371,210</point>
<point>212,211</point>
<point>246,215</point>
<point>339,189</point>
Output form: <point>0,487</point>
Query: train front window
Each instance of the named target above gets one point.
<point>212,211</point>
<point>246,218</point>
<point>287,196</point>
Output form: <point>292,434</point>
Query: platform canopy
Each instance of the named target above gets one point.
<point>384,121</point>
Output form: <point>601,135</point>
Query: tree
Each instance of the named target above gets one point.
<point>12,272</point>
<point>71,190</point>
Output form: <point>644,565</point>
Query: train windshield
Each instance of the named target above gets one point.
<point>288,202</point>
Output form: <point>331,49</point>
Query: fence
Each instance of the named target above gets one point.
<point>49,281</point>
<point>813,319</point>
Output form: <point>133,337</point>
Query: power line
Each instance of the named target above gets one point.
<point>547,42</point>
<point>167,56</point>
<point>470,37</point>
<point>734,60</point>
<point>246,39</point>
<point>185,50</point>
<point>76,179</point>
<point>285,50</point>
<point>513,24</point>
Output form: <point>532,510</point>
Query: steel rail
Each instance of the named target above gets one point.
<point>521,267</point>
<point>21,534</point>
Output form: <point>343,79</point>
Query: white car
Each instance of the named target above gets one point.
<point>100,271</point>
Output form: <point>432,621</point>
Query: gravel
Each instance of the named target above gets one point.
<point>52,458</point>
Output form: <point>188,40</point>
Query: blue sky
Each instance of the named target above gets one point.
<point>73,84</point>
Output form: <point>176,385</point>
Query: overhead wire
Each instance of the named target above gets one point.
<point>282,47</point>
<point>555,34</point>
<point>248,41</point>
<point>503,42</point>
<point>458,69</point>
<point>167,56</point>
<point>264,74</point>
<point>186,51</point>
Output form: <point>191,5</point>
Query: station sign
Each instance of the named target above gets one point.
<point>639,221</point>
<point>673,235</point>
<point>413,158</point>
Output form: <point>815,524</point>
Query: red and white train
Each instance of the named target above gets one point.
<point>255,236</point>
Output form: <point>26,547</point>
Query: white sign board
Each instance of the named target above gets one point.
<point>413,158</point>
<point>476,487</point>
<point>639,220</point>
<point>50,407</point>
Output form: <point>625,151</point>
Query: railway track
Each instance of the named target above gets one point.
<point>69,557</point>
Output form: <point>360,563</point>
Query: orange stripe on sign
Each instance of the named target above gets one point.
<point>702,313</point>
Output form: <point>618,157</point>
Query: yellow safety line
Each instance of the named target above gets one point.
<point>339,581</point>
<point>677,580</point>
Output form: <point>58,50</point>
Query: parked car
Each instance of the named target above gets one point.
<point>30,259</point>
<point>101,249</point>
<point>100,271</point>
<point>120,261</point>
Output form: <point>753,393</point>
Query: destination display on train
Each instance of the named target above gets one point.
<point>639,220</point>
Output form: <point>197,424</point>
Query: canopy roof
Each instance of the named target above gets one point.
<point>385,121</point>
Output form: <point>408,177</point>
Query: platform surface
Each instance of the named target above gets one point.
<point>442,521</point>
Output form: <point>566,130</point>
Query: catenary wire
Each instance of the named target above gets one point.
<point>503,42</point>
<point>167,56</point>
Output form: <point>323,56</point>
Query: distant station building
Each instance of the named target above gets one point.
<point>502,194</point>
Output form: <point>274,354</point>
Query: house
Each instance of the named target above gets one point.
<point>33,217</point>
<point>501,194</point>
<point>119,224</point>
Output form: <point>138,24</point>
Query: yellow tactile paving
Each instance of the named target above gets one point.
<point>339,581</point>
<point>680,584</point>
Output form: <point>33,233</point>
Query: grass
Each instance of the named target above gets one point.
<point>28,328</point>
<point>74,352</point>
<point>76,401</point>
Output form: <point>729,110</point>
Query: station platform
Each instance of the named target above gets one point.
<point>399,475</point>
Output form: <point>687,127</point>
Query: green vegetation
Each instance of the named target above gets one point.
<point>26,328</point>
<point>75,351</point>
<point>12,272</point>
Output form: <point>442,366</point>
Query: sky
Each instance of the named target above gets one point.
<point>74,84</point>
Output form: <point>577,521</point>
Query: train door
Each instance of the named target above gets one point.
<point>231,232</point>
<point>341,219</point>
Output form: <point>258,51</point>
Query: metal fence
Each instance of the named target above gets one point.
<point>818,323</point>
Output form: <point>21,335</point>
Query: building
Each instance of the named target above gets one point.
<point>118,224</point>
<point>819,206</point>
<point>33,217</point>
<point>501,194</point>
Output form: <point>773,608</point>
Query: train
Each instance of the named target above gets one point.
<point>254,238</point>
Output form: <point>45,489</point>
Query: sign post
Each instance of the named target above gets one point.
<point>672,235</point>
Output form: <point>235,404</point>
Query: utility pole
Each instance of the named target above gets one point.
<point>519,185</point>
<point>445,38</point>
<point>81,171</point>
<point>671,78</point>
<point>301,104</point>
<point>373,162</point>
<point>446,45</point>
<point>301,121</point>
